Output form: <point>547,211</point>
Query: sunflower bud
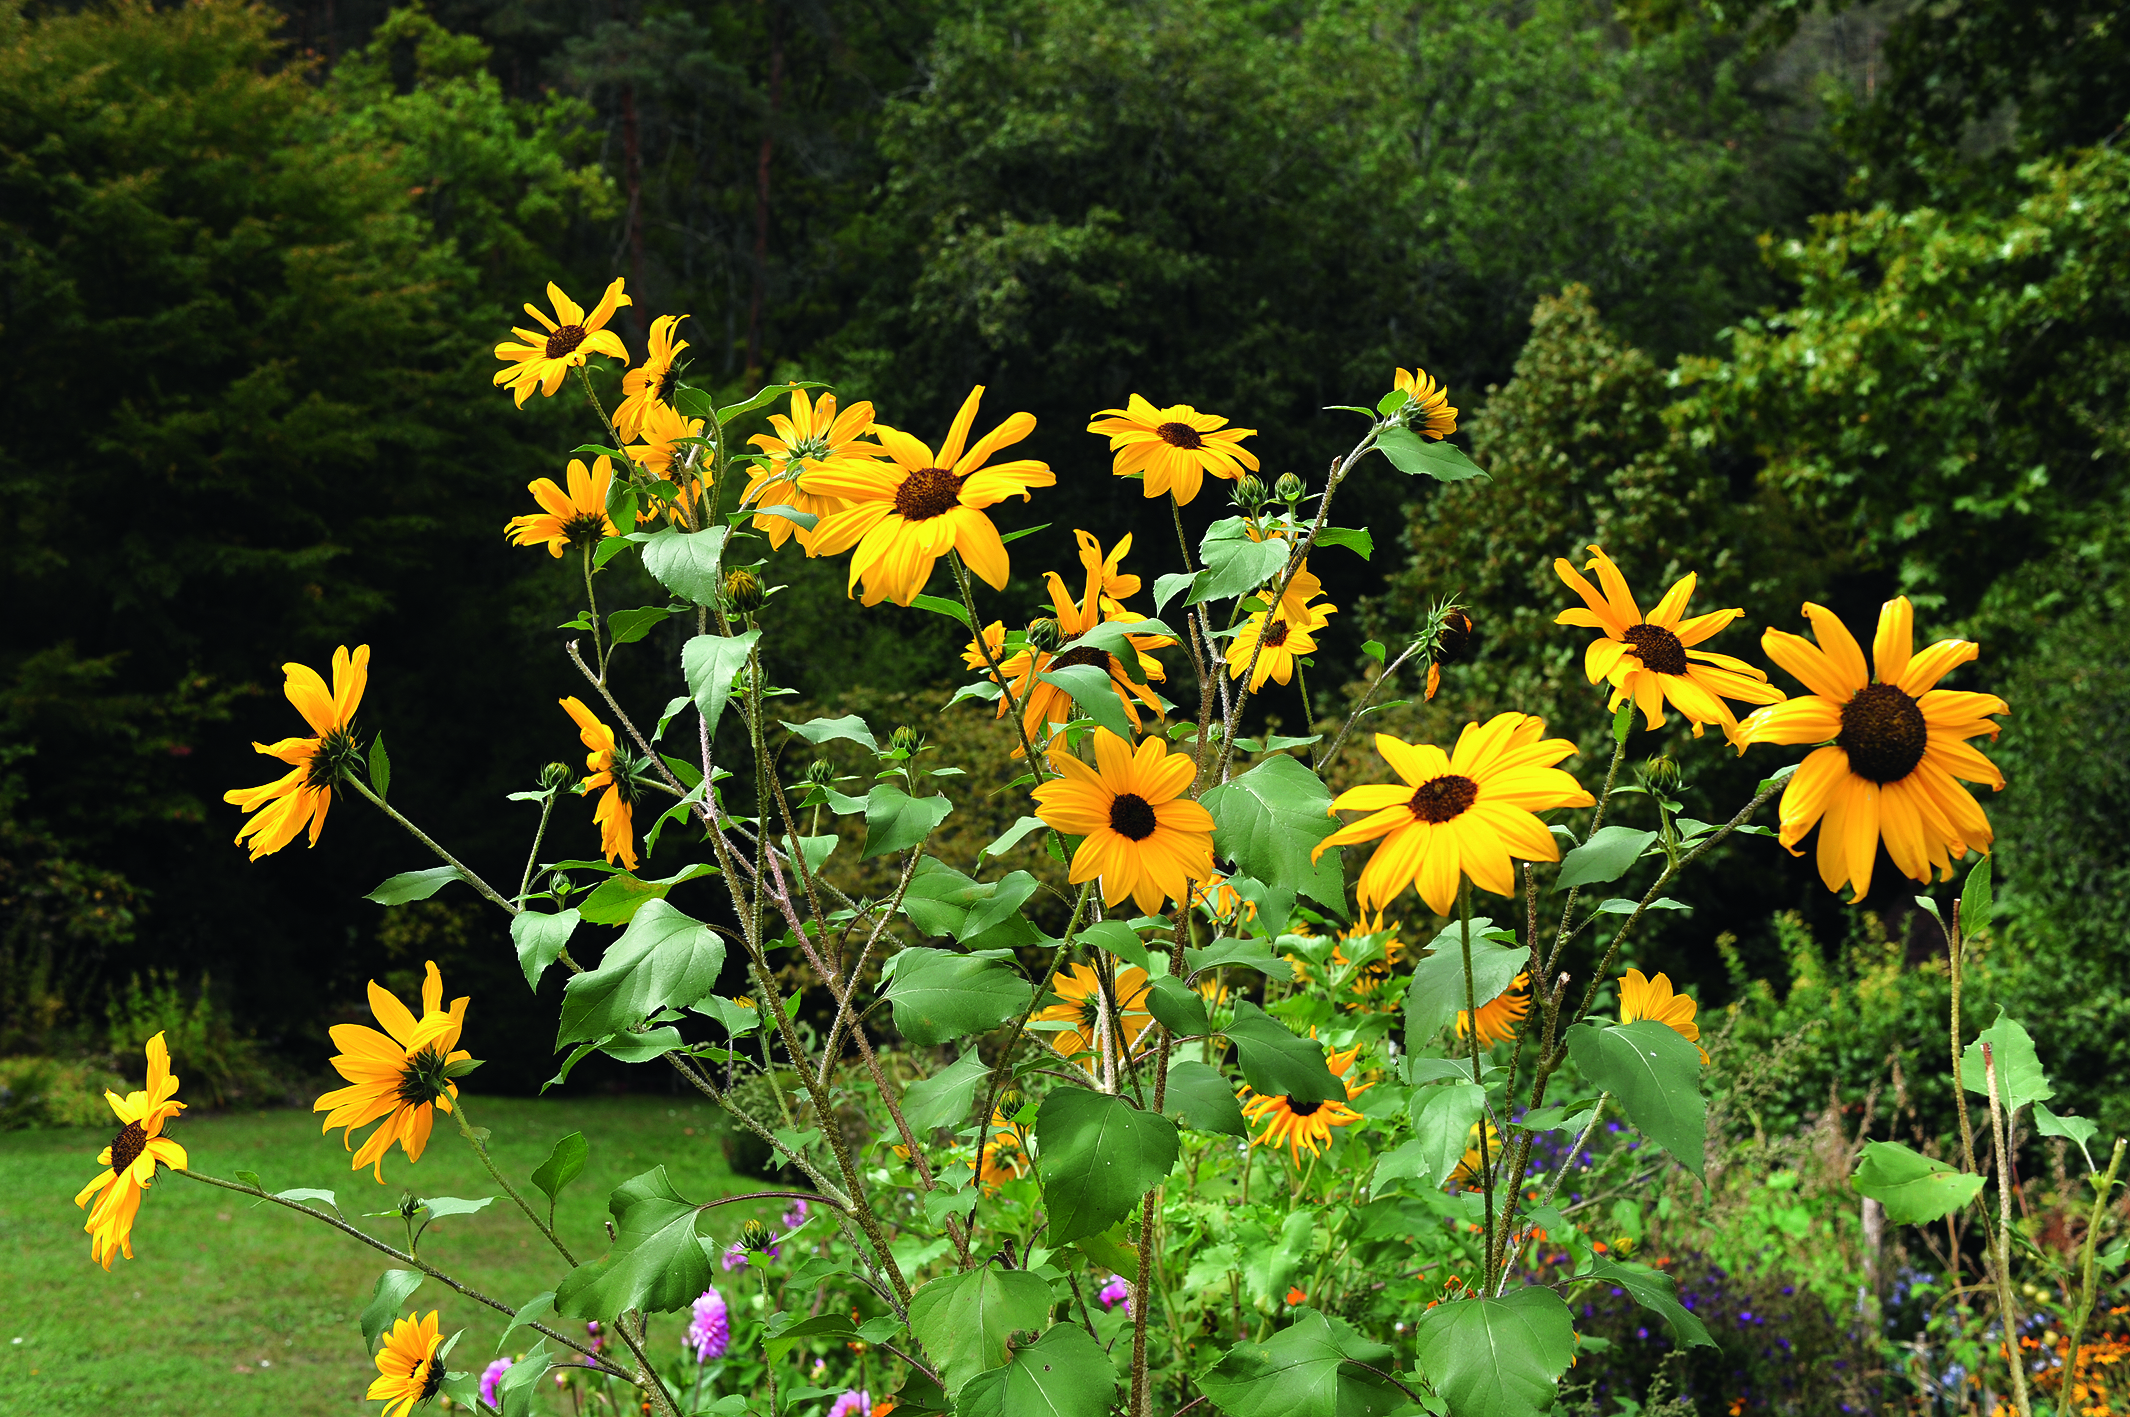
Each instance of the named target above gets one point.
<point>1010,1101</point>
<point>820,772</point>
<point>1660,772</point>
<point>1289,488</point>
<point>905,740</point>
<point>743,590</point>
<point>1046,634</point>
<point>556,776</point>
<point>755,1237</point>
<point>561,885</point>
<point>1249,493</point>
<point>1454,639</point>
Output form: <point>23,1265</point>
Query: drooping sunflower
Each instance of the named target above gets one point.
<point>1306,1125</point>
<point>1653,999</point>
<point>1466,812</point>
<point>814,436</point>
<point>1894,747</point>
<point>576,517</point>
<point>1466,1174</point>
<point>1429,410</point>
<point>1653,660</point>
<point>1500,1017</point>
<point>400,1075</point>
<point>304,795</point>
<point>615,815</point>
<point>903,515</point>
<point>1080,990</point>
<point>1144,838</point>
<point>1173,448</point>
<point>1275,641</point>
<point>1453,641</point>
<point>542,361</point>
<point>129,1161</point>
<point>408,1370</point>
<point>660,454</point>
<point>650,384</point>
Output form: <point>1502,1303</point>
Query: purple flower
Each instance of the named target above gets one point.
<point>733,1258</point>
<point>855,1402</point>
<point>490,1376</point>
<point>1116,1292</point>
<point>710,1332</point>
<point>796,1216</point>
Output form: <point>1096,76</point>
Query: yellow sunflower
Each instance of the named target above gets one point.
<point>1375,973</point>
<point>1080,989</point>
<point>660,454</point>
<point>1467,1173</point>
<point>815,436</point>
<point>1894,747</point>
<point>615,815</point>
<point>1429,409</point>
<point>401,1075</point>
<point>1283,639</point>
<point>1305,1125</point>
<point>1220,900</point>
<point>408,1370</point>
<point>1144,838</point>
<point>304,795</point>
<point>129,1161</point>
<point>565,519</point>
<point>1173,448</point>
<point>1005,1154</point>
<point>1652,660</point>
<point>650,384</point>
<point>1465,812</point>
<point>1500,1018</point>
<point>1653,999</point>
<point>904,515</point>
<point>542,361</point>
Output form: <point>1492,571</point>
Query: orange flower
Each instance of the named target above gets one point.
<point>608,768</point>
<point>303,796</point>
<point>1429,410</point>
<point>1500,1018</point>
<point>401,1075</point>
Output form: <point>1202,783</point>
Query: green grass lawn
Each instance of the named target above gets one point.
<point>236,1308</point>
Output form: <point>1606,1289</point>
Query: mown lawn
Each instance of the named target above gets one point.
<point>236,1310</point>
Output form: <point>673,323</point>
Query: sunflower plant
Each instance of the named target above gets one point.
<point>1250,1096</point>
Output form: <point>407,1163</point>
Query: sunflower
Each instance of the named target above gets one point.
<point>573,518</point>
<point>1299,1125</point>
<point>1469,811</point>
<point>650,384</point>
<point>1083,1006</point>
<point>399,1075</point>
<point>1651,660</point>
<point>1005,1153</point>
<point>1500,1018</point>
<point>1144,838</point>
<point>544,360</point>
<point>608,767</point>
<point>1894,747</point>
<point>129,1161</point>
<point>1653,999</point>
<point>1467,1173</point>
<point>1428,409</point>
<point>1173,448</point>
<point>903,516</point>
<point>1220,900</point>
<point>660,454</point>
<point>408,1370</point>
<point>1453,641</point>
<point>304,795</point>
<point>1283,640</point>
<point>813,437</point>
<point>1376,972</point>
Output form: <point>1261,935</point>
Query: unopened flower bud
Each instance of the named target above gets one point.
<point>556,776</point>
<point>906,740</point>
<point>743,590</point>
<point>1249,493</point>
<point>1046,634</point>
<point>1010,1101</point>
<point>755,1237</point>
<point>1454,640</point>
<point>1660,772</point>
<point>1289,488</point>
<point>820,772</point>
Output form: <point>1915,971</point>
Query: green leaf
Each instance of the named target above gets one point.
<point>709,662</point>
<point>1098,1156</point>
<point>1623,725</point>
<point>1095,693</point>
<point>963,1320</point>
<point>441,1206</point>
<point>1119,939</point>
<point>1374,650</point>
<point>1975,903</point>
<point>1496,1357</point>
<point>686,562</point>
<point>386,1300</point>
<point>942,901</point>
<point>657,1263</point>
<point>615,900</point>
<point>1113,638</point>
<point>1202,1100</point>
<point>1269,1267</point>
<point>1655,1291</point>
<point>943,1099</point>
<point>1656,1074</point>
<point>1166,588</point>
<point>1276,1063</point>
<point>850,728</point>
<point>1179,1006</point>
<point>1267,821</point>
<point>1437,993</point>
<point>2020,1079</point>
<point>739,1021</point>
<point>1014,836</point>
<point>952,609</point>
<point>520,1383</point>
<point>532,1311</point>
<point>1355,539</point>
<point>302,1195</point>
<point>1416,456</point>
<point>1442,1119</point>
<point>564,1164</point>
<point>380,767</point>
<point>1238,954</point>
<point>762,399</point>
<point>2079,1129</point>
<point>626,627</point>
<point>1062,1374</point>
<point>1234,563</point>
<point>540,940</point>
<point>414,885</point>
<point>896,821</point>
<point>939,995</point>
<point>663,960</point>
<point>781,1341</point>
<point>1304,1370</point>
<point>1605,857</point>
<point>1914,1189</point>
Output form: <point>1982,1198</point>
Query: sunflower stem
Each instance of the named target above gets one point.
<point>591,395</point>
<point>2001,1247</point>
<point>465,872</point>
<point>1553,1187</point>
<point>1471,1018</point>
<point>2103,1187</point>
<point>532,858</point>
<point>591,600</point>
<point>998,676</point>
<point>1597,819</point>
<point>647,1379</point>
<point>1362,707</point>
<point>480,1149</point>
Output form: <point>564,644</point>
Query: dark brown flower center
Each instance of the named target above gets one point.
<point>1441,798</point>
<point>432,1381</point>
<point>1883,733</point>
<point>1275,634</point>
<point>1083,655</point>
<point>1658,649</point>
<point>422,1079</point>
<point>928,492</point>
<point>565,340</point>
<point>1303,1109</point>
<point>1180,435</point>
<point>127,1146</point>
<point>1454,638</point>
<point>1130,815</point>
